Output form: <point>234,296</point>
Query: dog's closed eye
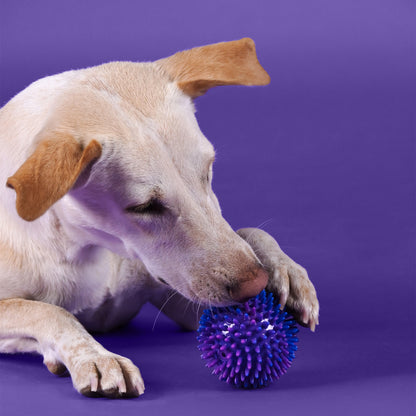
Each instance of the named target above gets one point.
<point>208,176</point>
<point>151,207</point>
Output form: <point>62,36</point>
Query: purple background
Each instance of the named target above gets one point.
<point>323,159</point>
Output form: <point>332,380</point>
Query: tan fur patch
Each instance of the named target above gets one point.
<point>49,173</point>
<point>226,63</point>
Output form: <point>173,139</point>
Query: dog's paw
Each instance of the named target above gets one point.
<point>106,374</point>
<point>288,281</point>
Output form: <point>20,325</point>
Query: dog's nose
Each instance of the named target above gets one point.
<point>243,290</point>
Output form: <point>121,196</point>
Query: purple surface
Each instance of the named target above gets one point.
<point>323,159</point>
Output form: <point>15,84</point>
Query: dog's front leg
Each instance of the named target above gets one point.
<point>63,341</point>
<point>288,281</point>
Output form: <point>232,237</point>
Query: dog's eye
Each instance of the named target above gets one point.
<point>152,207</point>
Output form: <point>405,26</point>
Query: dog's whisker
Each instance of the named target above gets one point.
<point>161,308</point>
<point>209,304</point>
<point>190,302</point>
<point>264,223</point>
<point>197,312</point>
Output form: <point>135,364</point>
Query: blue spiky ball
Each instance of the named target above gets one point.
<point>248,346</point>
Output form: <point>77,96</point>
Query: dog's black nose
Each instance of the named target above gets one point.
<point>252,285</point>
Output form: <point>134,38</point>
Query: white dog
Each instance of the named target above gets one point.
<point>109,205</point>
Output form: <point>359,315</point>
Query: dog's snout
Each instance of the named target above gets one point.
<point>244,289</point>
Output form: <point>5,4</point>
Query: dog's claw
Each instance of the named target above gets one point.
<point>305,317</point>
<point>283,299</point>
<point>122,389</point>
<point>94,383</point>
<point>301,300</point>
<point>139,387</point>
<point>106,374</point>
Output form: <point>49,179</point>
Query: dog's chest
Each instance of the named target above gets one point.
<point>110,293</point>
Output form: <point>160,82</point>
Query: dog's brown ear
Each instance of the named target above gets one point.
<point>49,173</point>
<point>226,63</point>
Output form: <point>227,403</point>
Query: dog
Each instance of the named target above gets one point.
<point>107,204</point>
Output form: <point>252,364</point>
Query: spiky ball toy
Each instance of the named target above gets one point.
<point>248,346</point>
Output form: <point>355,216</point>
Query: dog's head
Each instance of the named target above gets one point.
<point>123,162</point>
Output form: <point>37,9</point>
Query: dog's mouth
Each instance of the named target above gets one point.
<point>203,300</point>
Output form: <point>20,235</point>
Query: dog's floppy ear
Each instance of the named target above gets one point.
<point>226,63</point>
<point>49,173</point>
